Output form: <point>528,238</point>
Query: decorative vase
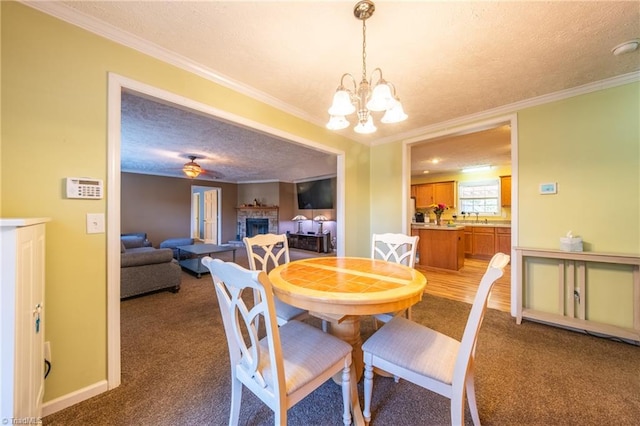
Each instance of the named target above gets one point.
<point>438,219</point>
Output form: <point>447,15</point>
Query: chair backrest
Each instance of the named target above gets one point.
<point>248,358</point>
<point>266,251</point>
<point>494,271</point>
<point>398,248</point>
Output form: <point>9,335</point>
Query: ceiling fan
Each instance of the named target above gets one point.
<point>192,169</point>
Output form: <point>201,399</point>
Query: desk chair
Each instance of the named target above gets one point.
<point>286,365</point>
<point>430,359</point>
<point>398,248</point>
<point>265,252</point>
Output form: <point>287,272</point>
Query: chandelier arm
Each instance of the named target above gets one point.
<point>380,80</point>
<point>353,81</point>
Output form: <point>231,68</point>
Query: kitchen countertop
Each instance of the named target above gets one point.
<point>436,227</point>
<point>459,225</point>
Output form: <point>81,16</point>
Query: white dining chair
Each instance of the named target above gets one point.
<point>265,252</point>
<point>431,359</point>
<point>397,248</point>
<point>289,362</point>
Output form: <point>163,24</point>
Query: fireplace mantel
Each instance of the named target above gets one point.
<point>257,208</point>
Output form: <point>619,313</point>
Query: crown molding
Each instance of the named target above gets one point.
<point>514,107</point>
<point>117,35</point>
<point>95,26</point>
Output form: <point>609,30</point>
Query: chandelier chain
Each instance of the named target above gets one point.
<point>364,49</point>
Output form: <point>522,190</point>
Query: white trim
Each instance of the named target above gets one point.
<point>465,128</point>
<point>515,223</point>
<point>73,398</point>
<point>110,32</point>
<point>117,83</point>
<point>425,132</point>
<point>114,120</point>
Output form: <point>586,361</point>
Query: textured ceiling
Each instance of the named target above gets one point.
<point>447,59</point>
<point>158,139</point>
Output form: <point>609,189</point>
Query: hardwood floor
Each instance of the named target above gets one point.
<point>463,284</point>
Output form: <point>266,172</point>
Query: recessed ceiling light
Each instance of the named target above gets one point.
<point>435,161</point>
<point>425,172</point>
<point>626,47</point>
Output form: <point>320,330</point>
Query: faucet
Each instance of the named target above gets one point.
<point>477,213</point>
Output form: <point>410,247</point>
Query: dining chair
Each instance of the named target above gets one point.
<point>431,359</point>
<point>265,252</point>
<point>289,362</point>
<point>397,248</point>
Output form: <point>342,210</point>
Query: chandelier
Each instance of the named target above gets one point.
<point>367,96</point>
<point>192,169</point>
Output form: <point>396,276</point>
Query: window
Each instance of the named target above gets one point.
<point>481,196</point>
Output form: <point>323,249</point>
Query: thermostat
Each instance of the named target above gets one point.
<point>548,188</point>
<point>84,188</point>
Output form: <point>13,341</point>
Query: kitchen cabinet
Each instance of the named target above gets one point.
<point>441,247</point>
<point>484,241</point>
<point>468,241</point>
<point>505,191</point>
<point>424,195</point>
<point>503,240</point>
<point>445,193</point>
<point>434,193</point>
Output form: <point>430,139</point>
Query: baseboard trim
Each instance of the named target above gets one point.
<point>73,398</point>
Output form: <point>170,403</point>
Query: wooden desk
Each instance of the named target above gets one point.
<point>340,289</point>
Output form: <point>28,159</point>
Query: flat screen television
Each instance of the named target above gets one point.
<point>316,194</point>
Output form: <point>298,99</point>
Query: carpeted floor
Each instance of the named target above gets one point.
<point>175,371</point>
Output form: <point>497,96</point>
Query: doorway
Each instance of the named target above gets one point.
<point>116,85</point>
<point>205,214</point>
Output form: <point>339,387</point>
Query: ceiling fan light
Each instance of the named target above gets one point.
<point>342,104</point>
<point>381,98</point>
<point>395,114</point>
<point>365,127</point>
<point>192,169</point>
<point>337,122</point>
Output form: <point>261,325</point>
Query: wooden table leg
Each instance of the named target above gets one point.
<point>349,330</point>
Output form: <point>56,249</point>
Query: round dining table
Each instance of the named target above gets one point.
<point>341,289</point>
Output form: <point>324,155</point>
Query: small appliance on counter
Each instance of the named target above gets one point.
<point>419,217</point>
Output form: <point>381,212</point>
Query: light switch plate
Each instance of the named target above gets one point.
<point>548,188</point>
<point>95,223</point>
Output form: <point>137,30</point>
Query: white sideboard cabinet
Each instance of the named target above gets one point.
<point>22,310</point>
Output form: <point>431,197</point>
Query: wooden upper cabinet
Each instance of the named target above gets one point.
<point>424,195</point>
<point>505,191</point>
<point>445,193</point>
<point>434,193</point>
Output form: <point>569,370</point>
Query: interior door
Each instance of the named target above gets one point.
<point>195,216</point>
<point>211,217</point>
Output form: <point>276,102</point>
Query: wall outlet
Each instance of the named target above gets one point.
<point>47,351</point>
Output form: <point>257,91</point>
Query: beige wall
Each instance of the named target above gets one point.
<point>161,206</point>
<point>54,118</point>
